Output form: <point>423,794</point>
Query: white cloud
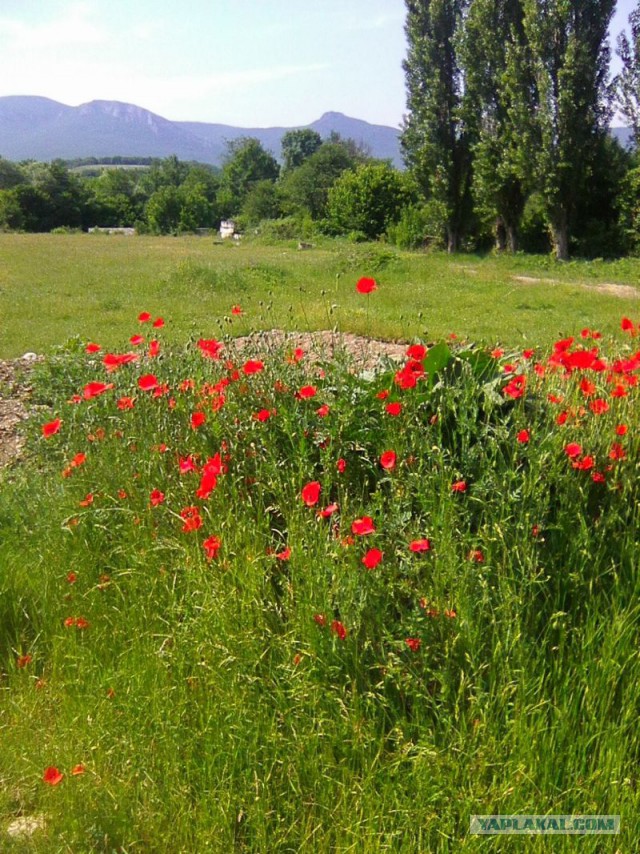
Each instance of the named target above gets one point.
<point>74,26</point>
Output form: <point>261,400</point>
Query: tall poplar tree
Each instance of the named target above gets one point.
<point>436,139</point>
<point>627,82</point>
<point>500,98</point>
<point>570,57</point>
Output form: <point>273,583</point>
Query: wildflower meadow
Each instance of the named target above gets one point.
<point>268,601</point>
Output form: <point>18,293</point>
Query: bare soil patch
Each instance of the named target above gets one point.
<point>610,288</point>
<point>14,396</point>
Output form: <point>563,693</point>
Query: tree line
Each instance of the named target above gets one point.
<point>506,142</point>
<point>330,185</point>
<point>509,106</point>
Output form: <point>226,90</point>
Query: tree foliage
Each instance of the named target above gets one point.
<point>570,58</point>
<point>499,100</point>
<point>367,201</point>
<point>436,137</point>
<point>246,165</point>
<point>297,146</point>
<point>627,83</point>
<point>306,189</point>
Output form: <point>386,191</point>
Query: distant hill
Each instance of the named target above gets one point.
<point>42,129</point>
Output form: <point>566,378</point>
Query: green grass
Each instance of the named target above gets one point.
<point>54,287</point>
<point>214,704</point>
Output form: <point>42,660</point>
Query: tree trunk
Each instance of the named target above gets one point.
<point>501,235</point>
<point>453,240</point>
<point>512,237</point>
<point>560,236</point>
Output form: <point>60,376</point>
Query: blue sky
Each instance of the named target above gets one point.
<point>242,62</point>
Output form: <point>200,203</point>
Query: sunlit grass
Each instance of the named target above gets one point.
<point>54,287</point>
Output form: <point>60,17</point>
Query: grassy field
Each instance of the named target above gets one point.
<point>53,287</point>
<point>266,604</point>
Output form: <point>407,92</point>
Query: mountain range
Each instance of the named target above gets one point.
<point>34,128</point>
<point>41,129</point>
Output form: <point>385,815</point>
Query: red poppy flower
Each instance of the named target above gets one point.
<point>413,644</point>
<point>125,403</point>
<point>23,660</point>
<point>338,629</point>
<point>585,464</point>
<point>136,340</point>
<point>523,437</point>
<point>158,323</point>
<point>236,310</point>
<point>148,382</point>
<point>112,361</point>
<point>156,497</point>
<point>372,558</point>
<point>252,366</point>
<point>192,519</point>
<point>311,493</point>
<point>383,395</point>
<point>393,409</point>
<point>51,428</point>
<point>599,406</point>
<point>617,452</point>
<point>210,348</point>
<point>417,352</point>
<point>144,317</point>
<point>323,411</point>
<point>285,554</point>
<point>328,511</point>
<point>516,387</point>
<point>263,415</point>
<point>366,286</point>
<point>307,392</point>
<point>72,577</point>
<point>77,770</point>
<point>450,613</point>
<point>626,325</point>
<point>320,619</point>
<point>572,450</point>
<point>82,623</point>
<point>154,349</point>
<point>621,430</point>
<point>197,420</point>
<point>408,376</point>
<point>364,526</point>
<point>94,389</point>
<point>388,460</point>
<point>52,776</point>
<point>459,486</point>
<point>212,546</point>
<point>92,348</point>
<point>341,465</point>
<point>476,556</point>
<point>87,500</point>
<point>422,545</point>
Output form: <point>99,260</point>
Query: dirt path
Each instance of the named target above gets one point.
<point>610,288</point>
